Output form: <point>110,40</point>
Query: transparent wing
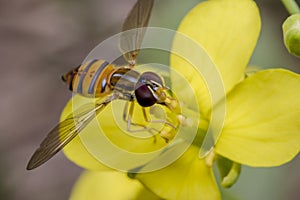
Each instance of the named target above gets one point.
<point>138,18</point>
<point>65,131</point>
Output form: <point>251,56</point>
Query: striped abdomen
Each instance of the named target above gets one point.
<point>90,79</point>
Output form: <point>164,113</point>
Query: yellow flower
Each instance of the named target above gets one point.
<point>261,127</point>
<point>261,110</point>
<point>112,185</point>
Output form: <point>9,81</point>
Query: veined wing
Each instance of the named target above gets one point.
<point>138,18</point>
<point>65,131</point>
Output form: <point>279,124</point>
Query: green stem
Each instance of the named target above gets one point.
<point>232,175</point>
<point>291,6</point>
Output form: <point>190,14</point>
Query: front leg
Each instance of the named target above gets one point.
<point>127,117</point>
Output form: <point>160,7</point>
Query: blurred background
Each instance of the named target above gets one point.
<point>41,40</point>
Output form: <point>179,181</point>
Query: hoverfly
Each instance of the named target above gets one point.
<point>108,82</point>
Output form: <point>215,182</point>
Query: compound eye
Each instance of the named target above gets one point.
<point>145,88</point>
<point>151,78</point>
<point>144,95</point>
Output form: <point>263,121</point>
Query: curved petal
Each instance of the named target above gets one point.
<point>109,185</point>
<point>228,30</point>
<point>105,140</point>
<point>75,150</point>
<point>262,126</point>
<point>187,178</point>
<point>85,149</point>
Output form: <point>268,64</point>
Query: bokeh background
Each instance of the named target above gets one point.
<point>40,40</point>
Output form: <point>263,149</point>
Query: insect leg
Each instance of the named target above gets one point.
<point>165,122</point>
<point>127,117</point>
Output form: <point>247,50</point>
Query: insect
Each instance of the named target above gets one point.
<point>108,82</point>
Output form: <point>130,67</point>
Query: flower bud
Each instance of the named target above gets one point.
<point>291,34</point>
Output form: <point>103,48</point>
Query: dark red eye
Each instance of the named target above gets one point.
<point>144,96</point>
<point>145,88</point>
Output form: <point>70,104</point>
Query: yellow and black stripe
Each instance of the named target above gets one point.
<point>90,79</point>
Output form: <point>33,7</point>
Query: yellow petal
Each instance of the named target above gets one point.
<point>188,178</point>
<point>103,143</point>
<point>262,126</point>
<point>109,185</point>
<point>228,30</point>
<point>75,150</point>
